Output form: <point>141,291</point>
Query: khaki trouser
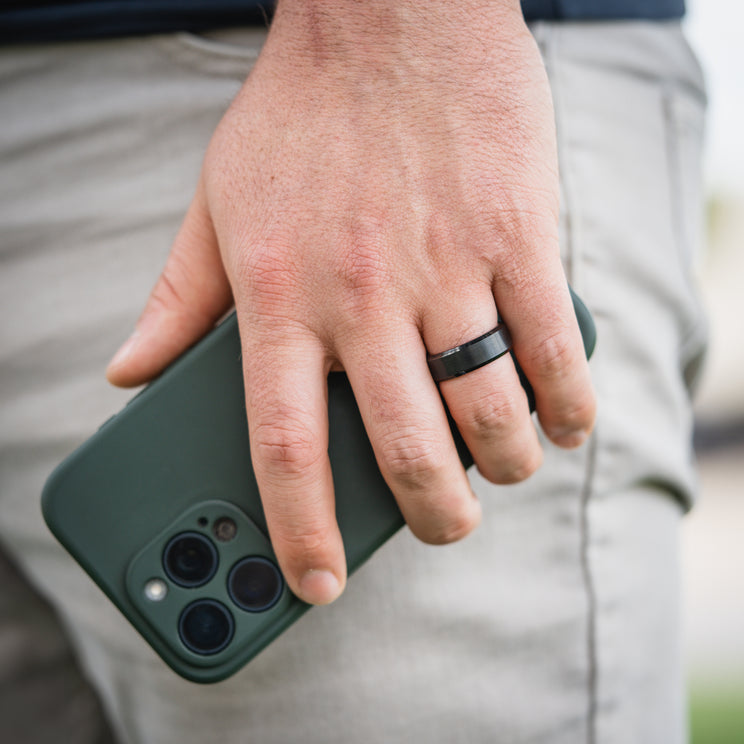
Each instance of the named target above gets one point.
<point>558,620</point>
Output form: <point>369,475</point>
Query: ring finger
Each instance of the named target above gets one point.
<point>488,403</point>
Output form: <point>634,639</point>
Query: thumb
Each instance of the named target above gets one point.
<point>191,294</point>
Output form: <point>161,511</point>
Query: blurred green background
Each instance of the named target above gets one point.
<point>717,715</point>
<point>713,534</point>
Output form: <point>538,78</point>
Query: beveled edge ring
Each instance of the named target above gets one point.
<point>471,355</point>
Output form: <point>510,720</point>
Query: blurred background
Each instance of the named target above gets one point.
<point>713,537</point>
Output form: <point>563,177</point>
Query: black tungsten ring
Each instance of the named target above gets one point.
<point>471,355</point>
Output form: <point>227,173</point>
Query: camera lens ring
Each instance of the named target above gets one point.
<point>190,559</point>
<point>255,583</point>
<point>206,627</point>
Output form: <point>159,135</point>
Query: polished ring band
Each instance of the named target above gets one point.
<point>471,355</point>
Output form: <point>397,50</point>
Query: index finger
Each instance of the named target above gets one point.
<point>287,407</point>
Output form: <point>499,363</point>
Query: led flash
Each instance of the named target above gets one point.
<point>155,590</point>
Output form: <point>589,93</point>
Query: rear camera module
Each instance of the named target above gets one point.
<point>206,627</point>
<point>255,584</point>
<point>190,559</point>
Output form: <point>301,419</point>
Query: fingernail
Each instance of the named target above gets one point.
<point>125,350</point>
<point>319,587</point>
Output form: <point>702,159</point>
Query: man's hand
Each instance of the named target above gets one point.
<point>385,179</point>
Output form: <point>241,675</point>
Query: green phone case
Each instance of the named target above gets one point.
<point>176,461</point>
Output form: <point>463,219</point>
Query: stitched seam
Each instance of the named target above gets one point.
<point>548,38</point>
<point>695,331</point>
<point>591,595</point>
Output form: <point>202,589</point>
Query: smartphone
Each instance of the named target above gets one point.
<point>161,509</point>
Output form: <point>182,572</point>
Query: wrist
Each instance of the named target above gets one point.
<point>320,32</point>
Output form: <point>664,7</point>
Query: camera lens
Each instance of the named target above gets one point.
<point>255,584</point>
<point>206,626</point>
<point>190,559</point>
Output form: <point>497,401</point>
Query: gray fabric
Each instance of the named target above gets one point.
<point>557,621</point>
<point>43,695</point>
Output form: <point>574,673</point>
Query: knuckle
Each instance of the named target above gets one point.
<point>165,294</point>
<point>532,213</point>
<point>553,356</point>
<point>489,417</point>
<point>527,218</point>
<point>412,460</point>
<point>269,273</point>
<point>302,545</point>
<point>286,449</point>
<point>364,273</point>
